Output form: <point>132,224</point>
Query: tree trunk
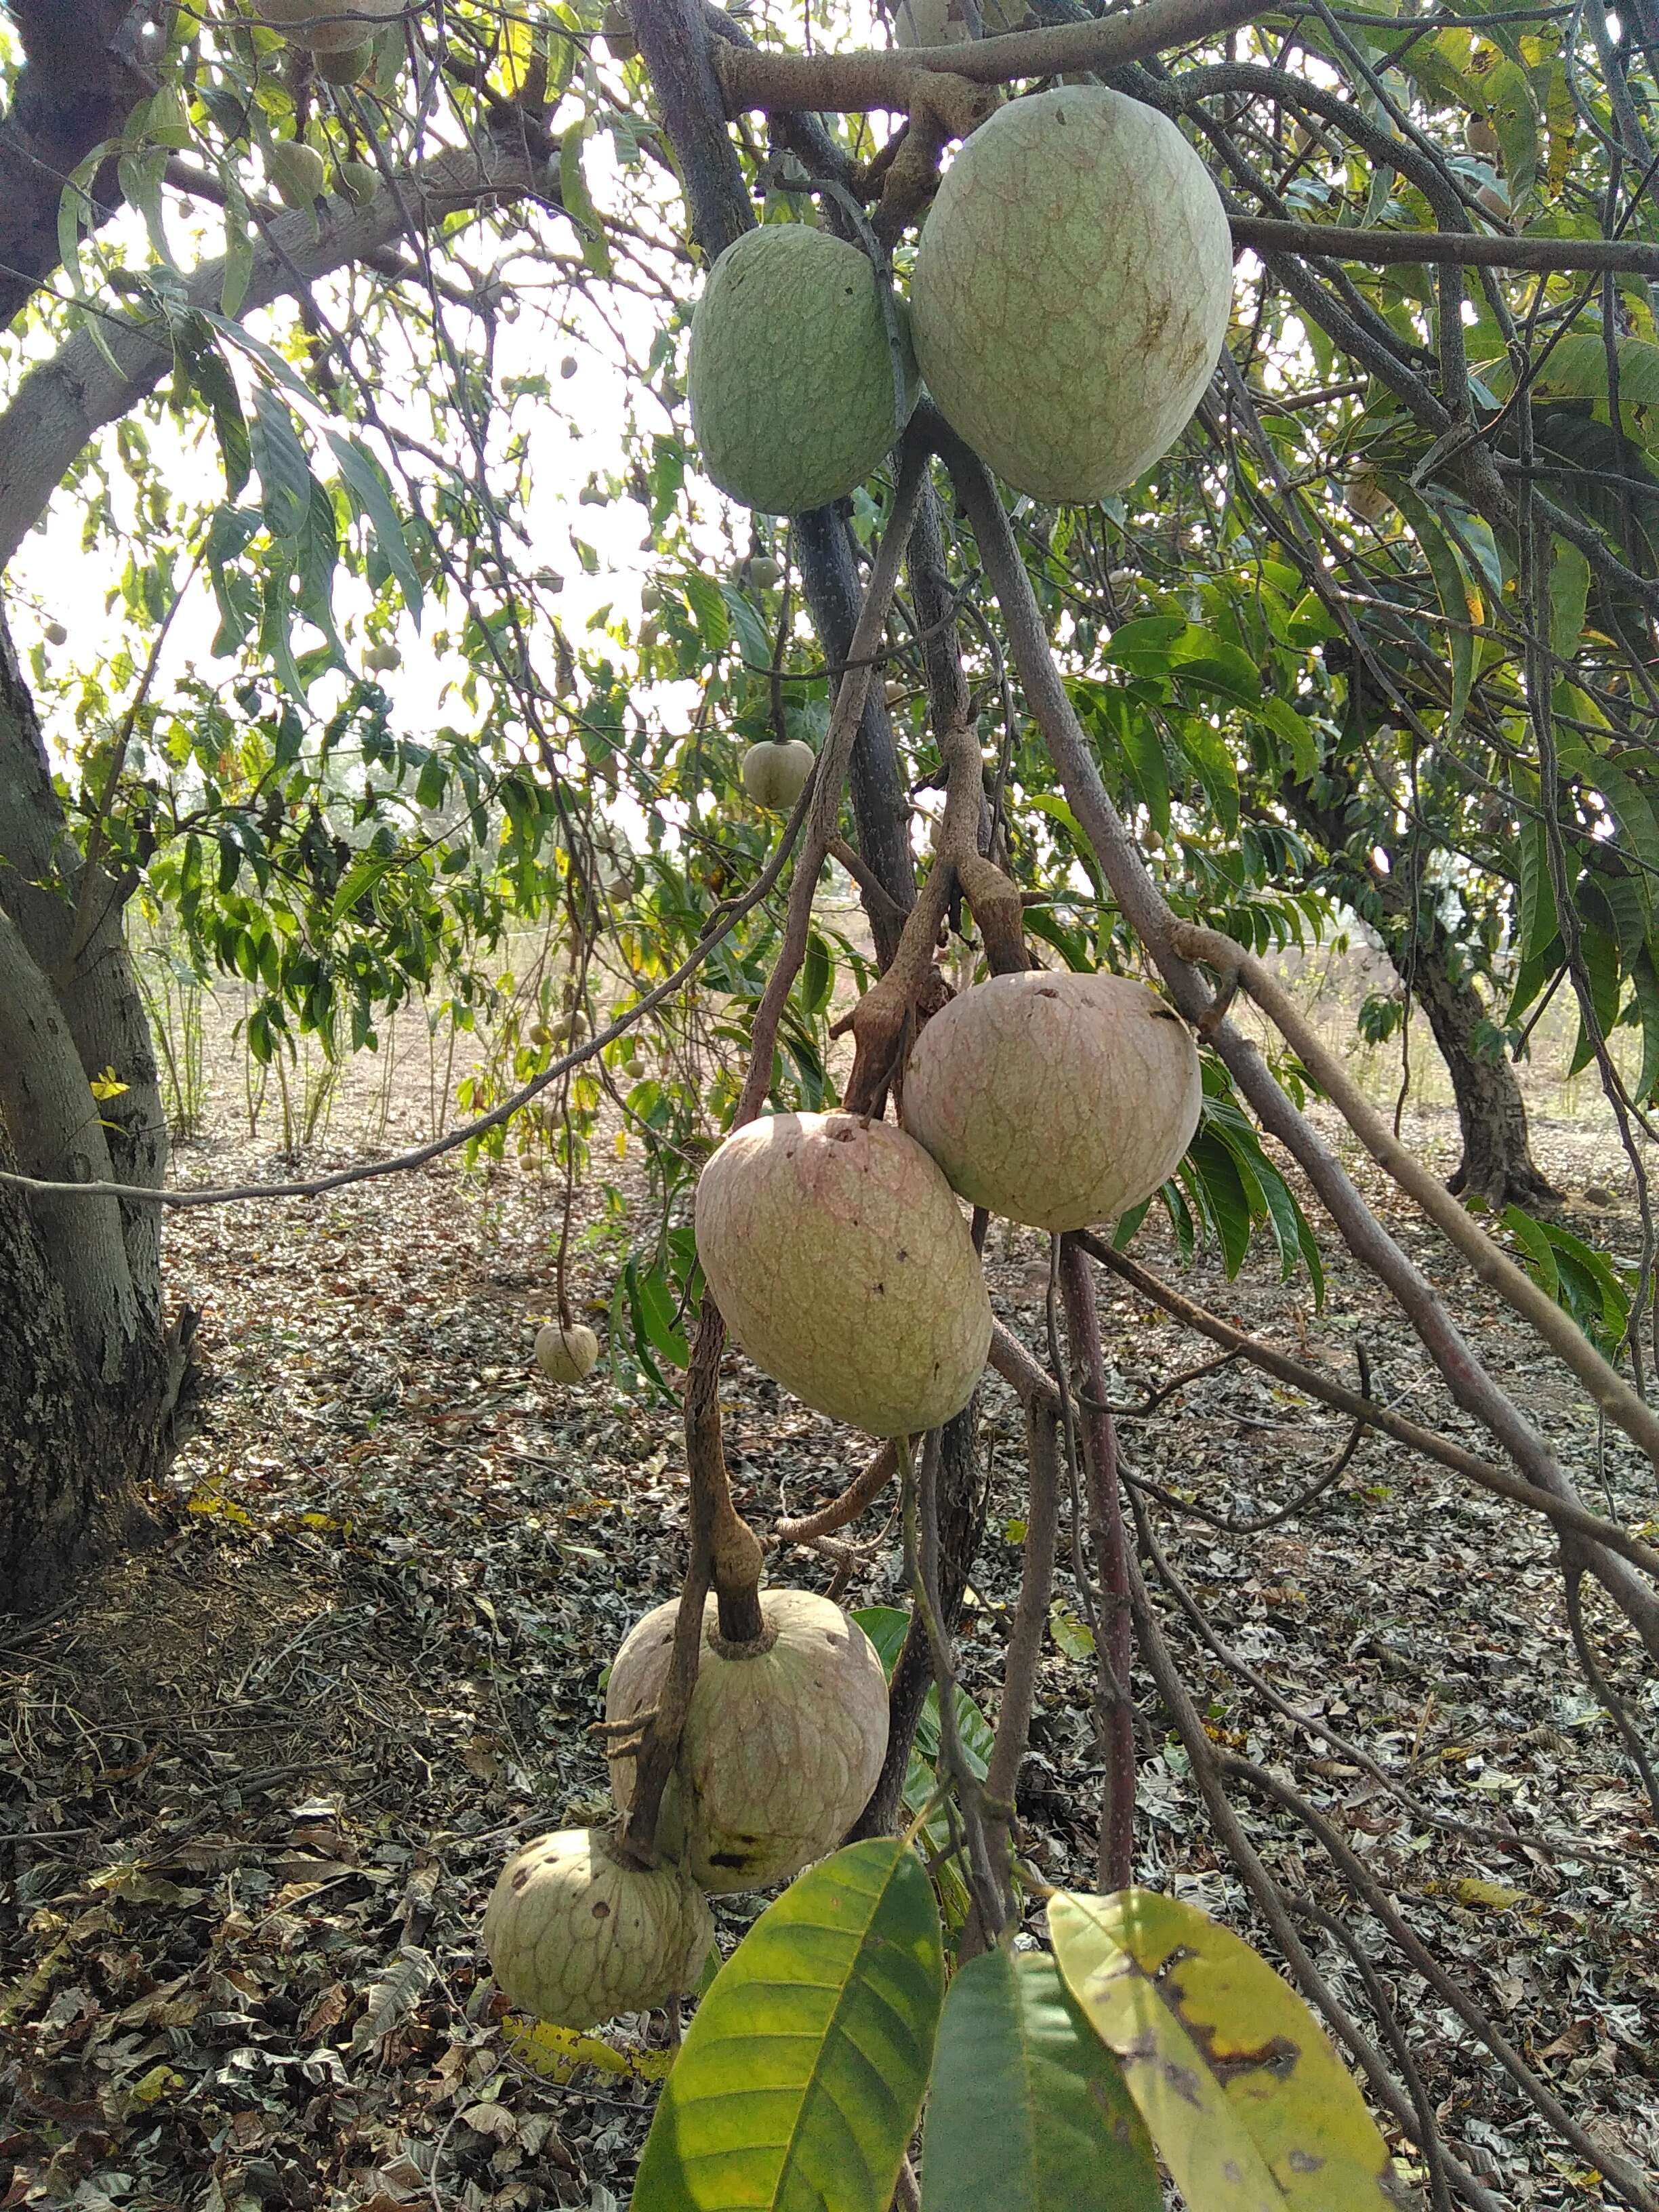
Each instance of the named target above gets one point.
<point>92,1381</point>
<point>1497,1164</point>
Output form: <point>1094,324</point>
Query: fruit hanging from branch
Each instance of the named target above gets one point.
<point>1054,1100</point>
<point>566,1353</point>
<point>782,1744</point>
<point>774,771</point>
<point>953,22</point>
<point>327,26</point>
<point>576,1932</point>
<point>844,1266</point>
<point>1072,290</point>
<point>791,371</point>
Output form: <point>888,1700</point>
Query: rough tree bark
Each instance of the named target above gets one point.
<point>93,1379</point>
<point>1497,1164</point>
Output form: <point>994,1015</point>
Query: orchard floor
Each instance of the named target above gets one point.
<point>257,1781</point>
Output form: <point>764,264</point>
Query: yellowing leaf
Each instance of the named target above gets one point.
<point>560,2052</point>
<point>159,2082</point>
<point>1493,1896</point>
<point>108,1084</point>
<point>1249,2107</point>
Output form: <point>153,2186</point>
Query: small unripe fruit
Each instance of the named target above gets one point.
<point>566,1355</point>
<point>55,634</point>
<point>782,1744</point>
<point>540,1036</point>
<point>1480,138</point>
<point>575,1933</point>
<point>346,65</point>
<point>567,365</point>
<point>358,180</point>
<point>298,173</point>
<point>765,571</point>
<point>1054,1100</point>
<point>774,773</point>
<point>382,659</point>
<point>650,597</point>
<point>1121,579</point>
<point>1364,496</point>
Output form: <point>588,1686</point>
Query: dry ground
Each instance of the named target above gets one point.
<point>259,1780</point>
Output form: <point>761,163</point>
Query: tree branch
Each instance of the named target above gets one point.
<point>1473,249</point>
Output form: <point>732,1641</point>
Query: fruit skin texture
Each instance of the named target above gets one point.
<point>306,21</point>
<point>566,1355</point>
<point>298,173</point>
<point>775,774</point>
<point>780,1750</point>
<point>790,374</point>
<point>1072,291</point>
<point>844,1268</point>
<point>576,1934</point>
<point>1055,1100</point>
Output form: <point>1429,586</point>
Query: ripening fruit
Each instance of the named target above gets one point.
<point>775,770</point>
<point>782,1744</point>
<point>1072,290</point>
<point>358,180</point>
<point>575,1933</point>
<point>844,1268</point>
<point>566,1355</point>
<point>344,65</point>
<point>1054,1100</point>
<point>790,371</point>
<point>298,173</point>
<point>325,25</point>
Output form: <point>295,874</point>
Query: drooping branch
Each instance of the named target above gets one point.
<point>1608,1389</point>
<point>90,382</point>
<point>1149,916</point>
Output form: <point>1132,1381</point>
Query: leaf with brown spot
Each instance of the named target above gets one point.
<point>1249,2105</point>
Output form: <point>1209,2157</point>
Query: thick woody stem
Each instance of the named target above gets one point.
<point>868,1484</point>
<point>1114,1626</point>
<point>1030,1625</point>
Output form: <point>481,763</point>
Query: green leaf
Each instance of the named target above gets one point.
<point>1142,749</point>
<point>802,2076</point>
<point>1029,2111</point>
<point>817,976</point>
<point>1211,1174</point>
<point>285,478</point>
<point>1295,732</point>
<point>1570,577</point>
<point>1250,2108</point>
<point>1459,600</point>
<point>578,202</point>
<point>1207,751</point>
<point>367,484</point>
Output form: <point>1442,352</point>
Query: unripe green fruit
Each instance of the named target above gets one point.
<point>844,1268</point>
<point>1480,138</point>
<point>540,1036</point>
<point>327,26</point>
<point>344,65</point>
<point>382,659</point>
<point>575,1933</point>
<point>566,1355</point>
<point>763,572</point>
<point>774,773</point>
<point>1072,290</point>
<point>1054,1100</point>
<point>1365,496</point>
<point>782,1744</point>
<point>358,180</point>
<point>55,634</point>
<point>650,597</point>
<point>567,365</point>
<point>616,29</point>
<point>790,371</point>
<point>297,172</point>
